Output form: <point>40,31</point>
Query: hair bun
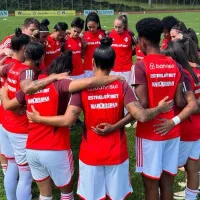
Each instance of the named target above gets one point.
<point>45,22</point>
<point>106,41</point>
<point>18,31</point>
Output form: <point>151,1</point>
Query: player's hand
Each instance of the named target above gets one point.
<point>164,127</point>
<point>121,78</point>
<point>3,58</point>
<point>165,106</point>
<point>8,52</point>
<point>194,65</point>
<point>33,116</point>
<point>103,129</point>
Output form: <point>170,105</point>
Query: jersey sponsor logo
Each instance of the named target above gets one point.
<point>163,84</point>
<point>53,52</point>
<point>103,105</point>
<point>104,87</point>
<point>12,89</point>
<point>76,52</point>
<point>11,80</point>
<point>161,66</point>
<point>46,90</point>
<point>38,100</point>
<point>120,45</point>
<point>93,43</point>
<point>106,96</point>
<point>166,75</point>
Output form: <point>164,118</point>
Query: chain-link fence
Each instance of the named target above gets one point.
<point>117,5</point>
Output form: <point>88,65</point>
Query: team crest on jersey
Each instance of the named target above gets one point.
<point>100,36</point>
<point>88,38</point>
<point>69,45</point>
<point>126,39</point>
<point>57,43</point>
<point>79,44</point>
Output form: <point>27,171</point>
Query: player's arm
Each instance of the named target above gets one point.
<point>190,108</point>
<point>96,81</point>
<point>68,119</point>
<point>10,104</point>
<point>29,85</point>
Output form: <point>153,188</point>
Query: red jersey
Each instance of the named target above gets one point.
<point>6,42</point>
<point>93,41</point>
<point>139,54</point>
<point>52,50</point>
<point>164,43</point>
<point>107,103</point>
<point>46,101</point>
<point>13,122</point>
<point>75,45</point>
<point>163,76</point>
<point>122,44</point>
<point>190,128</point>
<point>9,62</point>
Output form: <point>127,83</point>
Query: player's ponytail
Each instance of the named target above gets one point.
<point>124,20</point>
<point>44,25</point>
<point>19,40</point>
<point>104,55</point>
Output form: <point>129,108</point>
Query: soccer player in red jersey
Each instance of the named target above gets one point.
<point>123,46</point>
<point>51,142</point>
<point>103,164</point>
<point>29,26</point>
<point>53,45</point>
<point>155,77</point>
<point>189,150</point>
<point>74,44</point>
<point>18,43</point>
<point>91,38</point>
<point>168,23</point>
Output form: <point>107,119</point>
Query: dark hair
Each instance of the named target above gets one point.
<point>19,40</point>
<point>34,51</point>
<point>78,22</point>
<point>169,22</point>
<point>104,55</point>
<point>151,29</point>
<point>44,25</point>
<point>61,64</point>
<point>92,17</point>
<point>29,21</point>
<point>176,51</point>
<point>192,34</point>
<point>124,20</point>
<point>180,26</point>
<point>61,26</point>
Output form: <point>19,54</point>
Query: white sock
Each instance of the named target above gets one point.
<point>10,180</point>
<point>4,168</point>
<point>190,194</point>
<point>24,184</point>
<point>69,196</point>
<point>199,179</point>
<point>45,198</point>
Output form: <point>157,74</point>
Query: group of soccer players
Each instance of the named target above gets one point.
<point>40,102</point>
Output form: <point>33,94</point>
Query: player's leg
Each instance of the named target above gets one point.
<point>170,168</point>
<point>11,176</point>
<point>118,185</point>
<point>40,173</point>
<point>18,142</point>
<point>91,183</point>
<point>149,163</point>
<point>3,159</point>
<point>60,166</point>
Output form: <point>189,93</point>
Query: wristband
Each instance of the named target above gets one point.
<point>176,120</point>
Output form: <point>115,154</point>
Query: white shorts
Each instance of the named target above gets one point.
<point>97,182</point>
<point>189,150</point>
<point>78,77</point>
<point>6,147</point>
<point>88,73</point>
<point>154,157</point>
<point>127,75</point>
<point>18,142</point>
<point>58,165</point>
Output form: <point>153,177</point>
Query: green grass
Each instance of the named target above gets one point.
<point>191,20</point>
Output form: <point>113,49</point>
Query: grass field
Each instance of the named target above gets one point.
<point>191,20</point>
